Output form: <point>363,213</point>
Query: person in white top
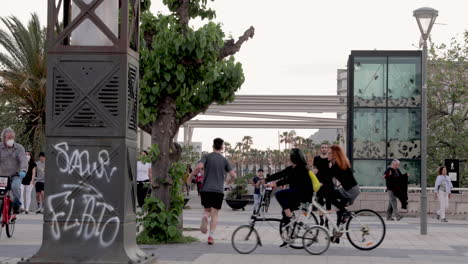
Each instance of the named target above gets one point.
<point>143,176</point>
<point>443,187</point>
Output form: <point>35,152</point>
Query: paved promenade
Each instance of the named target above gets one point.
<point>445,243</point>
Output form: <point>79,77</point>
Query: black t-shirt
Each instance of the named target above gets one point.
<point>27,179</point>
<point>257,189</point>
<point>323,175</point>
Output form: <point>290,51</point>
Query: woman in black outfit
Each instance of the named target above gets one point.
<point>348,190</point>
<point>300,185</point>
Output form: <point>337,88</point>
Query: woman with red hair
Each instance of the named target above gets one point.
<point>347,190</point>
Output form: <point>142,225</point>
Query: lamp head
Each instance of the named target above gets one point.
<point>425,16</point>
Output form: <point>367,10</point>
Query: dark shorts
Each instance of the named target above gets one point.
<point>212,199</point>
<point>39,187</point>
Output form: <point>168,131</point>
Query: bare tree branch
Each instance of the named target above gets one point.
<point>188,116</point>
<point>230,47</point>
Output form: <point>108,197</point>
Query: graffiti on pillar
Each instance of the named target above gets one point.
<point>81,209</point>
<point>79,161</point>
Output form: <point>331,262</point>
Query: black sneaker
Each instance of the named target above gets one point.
<point>346,215</point>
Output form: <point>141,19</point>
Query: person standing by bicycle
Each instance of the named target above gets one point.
<point>300,185</point>
<point>347,189</point>
<point>13,164</point>
<point>321,164</point>
<point>257,181</point>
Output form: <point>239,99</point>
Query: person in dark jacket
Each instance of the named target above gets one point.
<point>300,185</point>
<point>322,167</point>
<point>347,190</point>
<point>397,188</point>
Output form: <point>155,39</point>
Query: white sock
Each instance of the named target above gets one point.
<point>211,234</point>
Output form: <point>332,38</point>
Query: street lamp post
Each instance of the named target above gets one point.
<point>91,133</point>
<point>425,17</point>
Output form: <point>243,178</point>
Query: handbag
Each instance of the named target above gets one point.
<point>316,184</point>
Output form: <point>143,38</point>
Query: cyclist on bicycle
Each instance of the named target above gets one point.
<point>13,164</point>
<point>347,190</point>
<point>300,185</point>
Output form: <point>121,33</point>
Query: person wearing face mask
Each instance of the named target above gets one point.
<point>28,183</point>
<point>13,164</point>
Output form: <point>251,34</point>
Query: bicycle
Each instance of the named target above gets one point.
<point>245,239</point>
<point>365,229</point>
<point>6,206</point>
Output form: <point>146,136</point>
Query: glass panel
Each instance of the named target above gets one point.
<point>369,172</point>
<point>404,81</point>
<point>369,133</point>
<point>404,133</point>
<point>87,33</point>
<point>413,168</point>
<point>370,81</point>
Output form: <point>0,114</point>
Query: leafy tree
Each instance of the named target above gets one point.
<point>189,154</point>
<point>448,105</point>
<point>23,73</point>
<point>183,70</point>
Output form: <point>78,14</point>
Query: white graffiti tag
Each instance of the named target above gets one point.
<point>95,220</point>
<point>79,161</point>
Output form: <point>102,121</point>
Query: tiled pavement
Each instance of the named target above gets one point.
<point>445,243</point>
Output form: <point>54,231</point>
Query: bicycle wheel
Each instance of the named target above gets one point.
<point>316,240</point>
<point>266,204</point>
<point>245,239</point>
<point>10,226</point>
<point>365,229</point>
<point>294,239</point>
<point>1,216</point>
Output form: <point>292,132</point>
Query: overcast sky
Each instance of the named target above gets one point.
<point>299,44</point>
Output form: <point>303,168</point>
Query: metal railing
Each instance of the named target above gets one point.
<point>383,188</point>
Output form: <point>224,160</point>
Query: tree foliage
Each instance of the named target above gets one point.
<point>23,72</point>
<point>183,70</point>
<point>447,105</point>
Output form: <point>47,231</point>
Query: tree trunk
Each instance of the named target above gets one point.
<point>162,134</point>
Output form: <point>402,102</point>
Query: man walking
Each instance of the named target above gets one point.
<point>212,191</point>
<point>13,164</point>
<point>397,186</point>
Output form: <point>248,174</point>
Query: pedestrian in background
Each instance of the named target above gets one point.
<point>322,170</point>
<point>187,173</point>
<point>397,188</point>
<point>442,188</point>
<point>143,178</point>
<point>40,182</point>
<point>257,181</point>
<point>27,183</point>
<point>199,180</point>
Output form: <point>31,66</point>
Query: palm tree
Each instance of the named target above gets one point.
<point>299,142</point>
<point>284,138</point>
<point>247,143</point>
<point>23,72</point>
